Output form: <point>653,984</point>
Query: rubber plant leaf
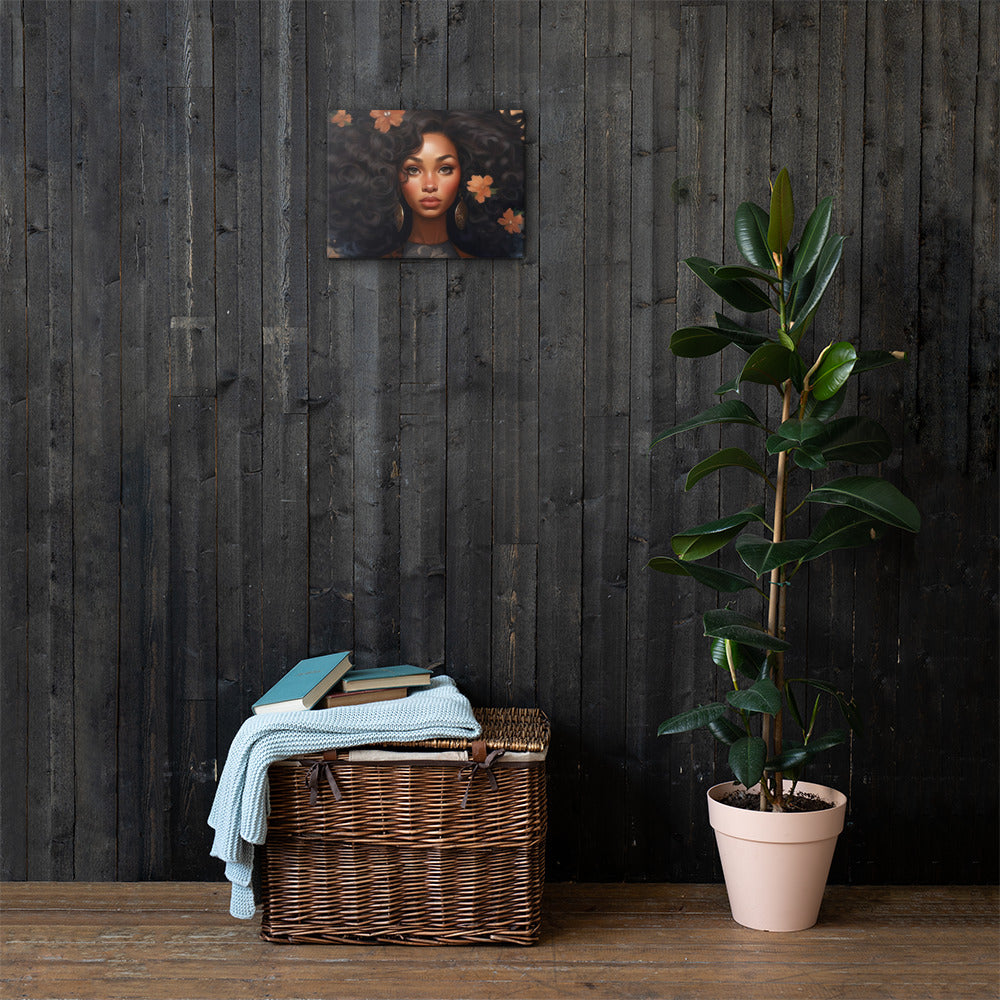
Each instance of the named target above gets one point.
<point>794,432</point>
<point>703,341</point>
<point>760,555</point>
<point>725,731</point>
<point>773,364</point>
<point>742,295</point>
<point>834,370</point>
<point>829,258</point>
<point>746,758</point>
<point>858,440</point>
<point>824,409</point>
<point>763,698</point>
<point>724,623</point>
<point>748,661</point>
<point>751,234</point>
<point>842,528</point>
<point>704,539</point>
<point>694,718</point>
<point>782,215</point>
<point>732,411</point>
<point>870,360</point>
<point>813,237</point>
<point>718,579</point>
<point>794,756</point>
<point>872,496</point>
<point>727,458</point>
<point>736,272</point>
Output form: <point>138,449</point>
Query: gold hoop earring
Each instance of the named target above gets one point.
<point>461,214</point>
<point>398,218</point>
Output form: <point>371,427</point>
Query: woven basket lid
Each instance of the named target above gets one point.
<point>524,730</point>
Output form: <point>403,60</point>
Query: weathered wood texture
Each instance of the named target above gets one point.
<point>222,451</point>
<point>165,940</point>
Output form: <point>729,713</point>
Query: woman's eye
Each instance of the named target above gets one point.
<point>447,170</point>
<point>412,171</point>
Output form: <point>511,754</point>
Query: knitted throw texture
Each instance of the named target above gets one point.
<point>239,812</point>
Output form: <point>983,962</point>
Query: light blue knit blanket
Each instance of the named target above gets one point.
<point>239,812</point>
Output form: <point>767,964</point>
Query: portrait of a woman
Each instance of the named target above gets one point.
<point>425,184</point>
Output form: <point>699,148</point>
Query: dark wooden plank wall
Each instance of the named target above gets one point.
<point>222,452</point>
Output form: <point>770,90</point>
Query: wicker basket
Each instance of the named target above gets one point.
<point>414,851</point>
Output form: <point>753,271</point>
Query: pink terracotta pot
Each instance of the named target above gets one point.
<point>776,864</point>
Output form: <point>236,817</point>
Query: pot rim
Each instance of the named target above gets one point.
<point>787,828</point>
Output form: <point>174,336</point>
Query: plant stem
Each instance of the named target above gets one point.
<point>776,599</point>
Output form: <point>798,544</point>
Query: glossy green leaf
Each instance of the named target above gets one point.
<point>809,457</point>
<point>724,623</point>
<point>813,237</point>
<point>727,458</point>
<point>834,738</point>
<point>741,294</point>
<point>718,579</point>
<point>736,272</point>
<point>748,661</point>
<point>694,718</point>
<point>763,698</point>
<point>760,556</point>
<point>794,432</point>
<point>746,758</point>
<point>725,731</point>
<point>793,756</point>
<point>834,370</point>
<point>841,528</point>
<point>870,360</point>
<point>824,409</point>
<point>782,215</point>
<point>751,234</point>
<point>733,411</point>
<point>858,440</point>
<point>773,364</point>
<point>829,258</point>
<point>872,496</point>
<point>704,539</point>
<point>733,385</point>
<point>703,341</point>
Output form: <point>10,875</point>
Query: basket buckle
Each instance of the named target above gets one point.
<point>312,781</point>
<point>480,763</point>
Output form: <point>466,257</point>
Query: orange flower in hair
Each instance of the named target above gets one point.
<point>341,118</point>
<point>511,222</point>
<point>480,187</point>
<point>385,120</point>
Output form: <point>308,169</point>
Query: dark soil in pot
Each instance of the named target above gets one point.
<point>797,803</point>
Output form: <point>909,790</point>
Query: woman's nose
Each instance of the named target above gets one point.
<point>429,183</point>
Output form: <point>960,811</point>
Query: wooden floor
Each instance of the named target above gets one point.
<point>663,942</point>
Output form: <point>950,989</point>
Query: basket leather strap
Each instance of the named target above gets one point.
<point>476,766</point>
<point>312,781</point>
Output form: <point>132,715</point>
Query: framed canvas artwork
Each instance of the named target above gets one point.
<point>425,184</point>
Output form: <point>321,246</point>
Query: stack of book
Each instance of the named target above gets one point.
<point>330,681</point>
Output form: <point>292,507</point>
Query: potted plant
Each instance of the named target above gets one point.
<point>768,719</point>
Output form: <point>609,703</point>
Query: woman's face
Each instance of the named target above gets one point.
<point>430,176</point>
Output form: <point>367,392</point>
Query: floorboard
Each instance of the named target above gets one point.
<point>176,941</point>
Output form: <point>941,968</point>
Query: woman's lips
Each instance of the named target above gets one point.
<point>430,202</point>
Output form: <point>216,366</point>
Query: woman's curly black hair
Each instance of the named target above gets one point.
<point>363,166</point>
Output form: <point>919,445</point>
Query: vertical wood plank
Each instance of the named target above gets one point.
<point>469,572</point>
<point>890,295</point>
<point>655,29</point>
<point>422,374</point>
<point>285,349</point>
<point>96,311</point>
<point>515,389</point>
<point>331,57</point>
<point>146,655</point>
<point>239,361</point>
<point>14,734</point>
<point>700,232</point>
<point>607,345</point>
<point>561,177</point>
<point>939,454</point>
<point>376,353</point>
<point>48,149</point>
<point>193,431</point>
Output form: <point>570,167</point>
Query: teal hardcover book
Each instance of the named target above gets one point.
<point>402,675</point>
<point>304,684</point>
